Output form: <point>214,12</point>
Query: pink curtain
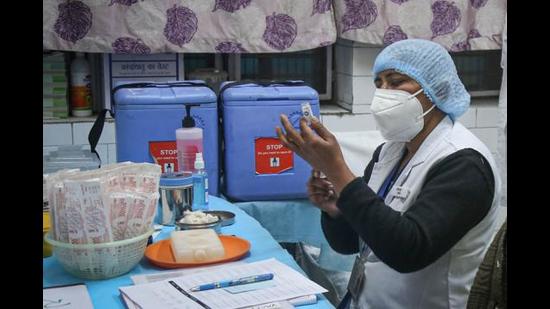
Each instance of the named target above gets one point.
<point>142,27</point>
<point>260,26</point>
<point>458,25</point>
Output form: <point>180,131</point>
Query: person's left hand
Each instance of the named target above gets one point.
<point>320,150</point>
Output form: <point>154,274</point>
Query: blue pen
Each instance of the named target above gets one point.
<point>228,283</point>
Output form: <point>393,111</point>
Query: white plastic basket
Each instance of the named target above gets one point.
<point>100,261</point>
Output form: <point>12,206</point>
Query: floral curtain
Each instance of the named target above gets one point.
<point>229,26</point>
<point>458,25</point>
<point>254,26</point>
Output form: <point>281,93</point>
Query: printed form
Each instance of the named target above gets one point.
<point>288,284</point>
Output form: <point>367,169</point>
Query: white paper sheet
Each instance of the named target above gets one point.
<point>161,294</point>
<point>165,275</point>
<point>129,303</point>
<point>67,297</point>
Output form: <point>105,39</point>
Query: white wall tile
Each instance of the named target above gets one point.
<point>334,123</point>
<point>327,109</point>
<point>363,60</point>
<point>343,59</point>
<point>112,152</point>
<point>47,150</point>
<point>487,116</point>
<point>82,129</point>
<point>356,109</point>
<point>487,136</point>
<point>349,122</point>
<point>57,134</point>
<point>103,153</point>
<point>363,89</point>
<point>367,122</point>
<point>344,88</point>
<point>361,109</point>
<point>469,118</point>
<point>345,105</point>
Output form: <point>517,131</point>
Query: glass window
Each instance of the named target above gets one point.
<point>194,61</point>
<point>309,66</point>
<point>312,66</point>
<point>480,71</point>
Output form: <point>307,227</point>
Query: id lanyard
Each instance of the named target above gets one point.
<point>357,278</point>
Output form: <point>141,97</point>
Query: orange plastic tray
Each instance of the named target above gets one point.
<point>160,253</point>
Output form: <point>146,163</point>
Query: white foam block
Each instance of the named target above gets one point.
<point>200,245</point>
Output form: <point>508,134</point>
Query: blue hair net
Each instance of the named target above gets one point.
<point>431,66</point>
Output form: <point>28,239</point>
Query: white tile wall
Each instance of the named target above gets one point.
<point>47,150</point>
<point>487,136</point>
<point>361,109</point>
<point>57,134</point>
<point>363,89</point>
<point>344,87</point>
<point>112,152</point>
<point>346,105</point>
<point>349,122</point>
<point>487,116</point>
<point>82,129</point>
<point>344,59</point>
<point>354,81</point>
<point>363,60</point>
<point>103,153</point>
<point>77,134</point>
<point>356,108</point>
<point>469,118</point>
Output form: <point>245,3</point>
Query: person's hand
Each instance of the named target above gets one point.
<point>320,150</point>
<point>321,194</point>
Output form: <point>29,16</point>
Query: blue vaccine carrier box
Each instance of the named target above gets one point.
<point>256,165</point>
<point>153,113</point>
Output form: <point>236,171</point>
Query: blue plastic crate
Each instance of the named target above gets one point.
<point>256,167</point>
<point>144,115</point>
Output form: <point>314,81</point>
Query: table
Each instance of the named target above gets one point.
<point>105,294</point>
<point>290,221</point>
<point>297,221</point>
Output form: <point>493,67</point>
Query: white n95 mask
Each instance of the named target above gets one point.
<point>398,114</point>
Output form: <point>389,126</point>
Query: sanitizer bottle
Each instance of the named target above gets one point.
<point>200,185</point>
<point>188,142</point>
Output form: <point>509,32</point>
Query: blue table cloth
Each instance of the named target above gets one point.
<point>296,221</point>
<point>105,293</point>
<point>288,220</point>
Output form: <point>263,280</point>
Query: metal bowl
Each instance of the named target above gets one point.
<point>227,217</point>
<point>216,226</point>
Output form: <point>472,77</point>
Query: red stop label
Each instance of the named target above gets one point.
<point>271,156</point>
<point>165,154</point>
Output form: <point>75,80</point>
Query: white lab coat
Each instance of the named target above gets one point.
<point>446,282</point>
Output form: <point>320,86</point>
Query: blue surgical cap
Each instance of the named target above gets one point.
<point>431,66</point>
